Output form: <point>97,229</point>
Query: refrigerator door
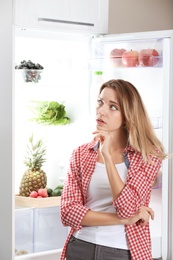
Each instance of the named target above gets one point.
<point>167,138</point>
<point>63,15</point>
<point>153,80</point>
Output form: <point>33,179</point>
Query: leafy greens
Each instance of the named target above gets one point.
<point>50,113</point>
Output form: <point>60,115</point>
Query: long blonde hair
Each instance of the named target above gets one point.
<point>139,130</point>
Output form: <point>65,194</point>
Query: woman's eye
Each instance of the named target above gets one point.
<point>113,107</point>
<point>99,101</point>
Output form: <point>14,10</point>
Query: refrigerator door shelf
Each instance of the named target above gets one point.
<point>109,63</point>
<point>108,43</point>
<point>135,53</point>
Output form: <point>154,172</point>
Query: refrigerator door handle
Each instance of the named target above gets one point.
<point>42,19</point>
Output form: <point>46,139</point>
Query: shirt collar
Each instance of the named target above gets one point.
<point>95,145</point>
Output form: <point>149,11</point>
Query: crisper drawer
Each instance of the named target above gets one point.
<point>24,232</point>
<point>49,233</point>
<point>46,255</point>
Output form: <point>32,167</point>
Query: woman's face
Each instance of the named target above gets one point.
<point>108,114</point>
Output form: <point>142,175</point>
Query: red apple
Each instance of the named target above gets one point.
<point>43,192</point>
<point>130,58</point>
<point>116,57</point>
<point>148,57</point>
<point>33,194</point>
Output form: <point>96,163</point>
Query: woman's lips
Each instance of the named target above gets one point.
<point>100,121</point>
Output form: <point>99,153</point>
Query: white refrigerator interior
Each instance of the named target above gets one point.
<point>70,62</point>
<point>64,79</point>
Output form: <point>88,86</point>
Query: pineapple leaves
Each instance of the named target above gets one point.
<point>50,113</point>
<point>35,153</point>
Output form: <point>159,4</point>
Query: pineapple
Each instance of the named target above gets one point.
<point>34,178</point>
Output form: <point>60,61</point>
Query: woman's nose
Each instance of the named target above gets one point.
<point>101,110</point>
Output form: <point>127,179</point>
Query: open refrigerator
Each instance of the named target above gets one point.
<point>71,65</point>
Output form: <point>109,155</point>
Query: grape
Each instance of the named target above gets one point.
<point>29,65</point>
<point>31,70</point>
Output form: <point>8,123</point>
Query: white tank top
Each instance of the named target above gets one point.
<point>99,198</point>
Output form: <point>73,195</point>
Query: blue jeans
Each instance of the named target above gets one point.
<point>80,250</point>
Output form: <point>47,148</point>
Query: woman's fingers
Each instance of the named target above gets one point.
<point>142,216</point>
<point>99,135</point>
<point>151,212</point>
<point>145,213</point>
<point>147,210</point>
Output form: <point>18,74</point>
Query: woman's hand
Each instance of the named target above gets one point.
<point>105,139</point>
<point>142,216</point>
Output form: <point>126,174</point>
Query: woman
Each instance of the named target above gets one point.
<point>106,196</point>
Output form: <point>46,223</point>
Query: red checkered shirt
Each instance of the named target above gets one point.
<point>137,192</point>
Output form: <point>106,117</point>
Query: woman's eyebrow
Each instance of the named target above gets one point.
<point>110,101</point>
<point>113,102</point>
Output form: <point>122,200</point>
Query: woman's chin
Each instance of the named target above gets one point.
<point>100,127</point>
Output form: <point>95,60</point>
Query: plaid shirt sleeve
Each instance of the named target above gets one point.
<point>72,199</point>
<point>137,190</point>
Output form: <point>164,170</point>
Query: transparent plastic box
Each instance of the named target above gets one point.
<point>49,233</point>
<point>24,230</point>
<point>31,75</point>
